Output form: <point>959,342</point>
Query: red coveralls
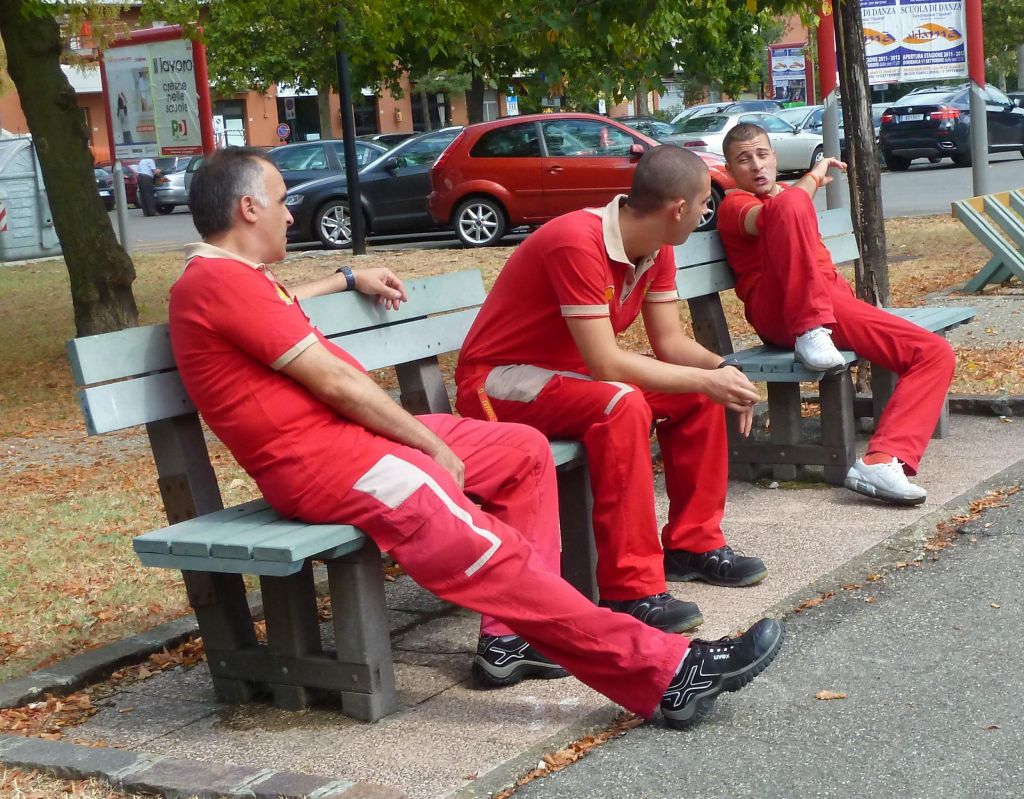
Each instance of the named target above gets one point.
<point>233,328</point>
<point>788,285</point>
<point>520,364</point>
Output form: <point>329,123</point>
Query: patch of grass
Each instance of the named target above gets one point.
<point>17,784</point>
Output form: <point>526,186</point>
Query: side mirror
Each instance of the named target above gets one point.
<point>637,149</point>
<point>391,164</point>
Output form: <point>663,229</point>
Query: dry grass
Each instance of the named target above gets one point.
<point>15,784</point>
<point>68,577</point>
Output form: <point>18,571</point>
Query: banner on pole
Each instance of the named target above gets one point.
<point>914,40</point>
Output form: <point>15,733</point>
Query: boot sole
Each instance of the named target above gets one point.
<point>524,671</point>
<point>687,577</point>
<point>700,708</point>
<point>681,627</point>
<point>867,489</point>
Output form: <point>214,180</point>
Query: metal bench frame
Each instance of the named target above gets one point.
<point>702,273</point>
<point>1004,239</point>
<point>129,378</point>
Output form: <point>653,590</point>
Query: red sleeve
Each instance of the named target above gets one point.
<point>733,210</point>
<point>663,281</point>
<point>581,280</point>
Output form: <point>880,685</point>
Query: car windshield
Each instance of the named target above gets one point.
<point>794,116</point>
<point>703,124</point>
<point>418,151</point>
<point>169,164</point>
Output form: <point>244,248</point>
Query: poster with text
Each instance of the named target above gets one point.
<point>789,75</point>
<point>913,40</point>
<point>154,106</point>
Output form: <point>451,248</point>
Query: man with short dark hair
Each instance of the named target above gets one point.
<point>326,445</point>
<point>543,352</point>
<point>794,297</point>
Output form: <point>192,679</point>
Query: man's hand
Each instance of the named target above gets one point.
<point>450,462</point>
<point>731,388</point>
<point>821,169</point>
<point>383,283</point>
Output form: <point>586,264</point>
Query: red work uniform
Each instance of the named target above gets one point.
<point>520,364</point>
<point>234,327</point>
<point>788,284</point>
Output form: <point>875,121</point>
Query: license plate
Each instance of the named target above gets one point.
<point>104,193</point>
<point>912,118</point>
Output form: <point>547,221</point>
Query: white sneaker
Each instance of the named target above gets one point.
<point>884,481</point>
<point>815,350</point>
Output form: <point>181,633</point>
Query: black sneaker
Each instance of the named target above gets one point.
<point>719,567</point>
<point>661,611</point>
<point>507,659</point>
<point>711,667</point>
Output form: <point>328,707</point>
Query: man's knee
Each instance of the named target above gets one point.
<point>629,406</point>
<point>790,206</point>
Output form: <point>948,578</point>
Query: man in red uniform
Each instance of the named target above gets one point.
<point>326,445</point>
<point>543,352</point>
<point>794,297</point>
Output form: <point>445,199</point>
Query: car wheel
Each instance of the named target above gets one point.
<point>709,221</point>
<point>816,156</point>
<point>934,159</point>
<point>480,222</point>
<point>333,225</point>
<point>963,159</point>
<point>896,163</point>
<point>165,209</point>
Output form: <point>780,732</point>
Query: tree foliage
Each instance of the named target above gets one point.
<point>1003,22</point>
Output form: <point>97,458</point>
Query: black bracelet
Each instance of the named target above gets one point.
<point>723,364</point>
<point>350,277</point>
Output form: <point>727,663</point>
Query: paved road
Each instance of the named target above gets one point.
<point>924,189</point>
<point>930,660</point>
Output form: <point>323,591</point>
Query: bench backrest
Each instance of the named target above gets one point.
<point>129,377</point>
<point>702,268</point>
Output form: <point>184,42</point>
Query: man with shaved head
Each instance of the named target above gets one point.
<point>794,297</point>
<point>543,352</point>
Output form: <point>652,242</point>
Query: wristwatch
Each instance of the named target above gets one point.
<point>350,277</point>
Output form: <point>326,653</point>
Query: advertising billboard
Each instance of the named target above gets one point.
<point>152,99</point>
<point>914,40</point>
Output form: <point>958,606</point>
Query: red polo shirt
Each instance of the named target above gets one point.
<point>573,267</point>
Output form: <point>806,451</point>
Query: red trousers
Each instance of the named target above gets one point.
<point>613,420</point>
<point>500,559</point>
<point>797,291</point>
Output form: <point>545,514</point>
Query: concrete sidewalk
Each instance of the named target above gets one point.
<point>450,740</point>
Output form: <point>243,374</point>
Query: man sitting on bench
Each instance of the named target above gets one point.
<point>543,352</point>
<point>794,297</point>
<point>326,445</point>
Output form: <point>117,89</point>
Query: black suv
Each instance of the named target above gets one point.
<point>934,122</point>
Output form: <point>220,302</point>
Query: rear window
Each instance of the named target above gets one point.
<point>704,124</point>
<point>514,141</point>
<point>925,98</point>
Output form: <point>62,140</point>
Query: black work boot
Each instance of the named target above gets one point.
<point>661,611</point>
<point>720,566</point>
<point>507,659</point>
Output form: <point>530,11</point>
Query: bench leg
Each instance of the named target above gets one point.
<point>575,513</point>
<point>784,424</point>
<point>361,630</point>
<point>837,432</point>
<point>225,624</point>
<point>883,383</point>
<point>293,629</point>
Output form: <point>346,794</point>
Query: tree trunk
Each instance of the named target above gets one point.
<point>1020,66</point>
<point>641,106</point>
<point>101,271</point>
<point>323,107</point>
<point>865,181</point>
<point>475,99</point>
<point>425,105</point>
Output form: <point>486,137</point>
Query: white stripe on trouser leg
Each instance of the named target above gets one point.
<point>623,391</point>
<point>392,481</point>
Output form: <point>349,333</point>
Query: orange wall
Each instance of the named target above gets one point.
<point>11,116</point>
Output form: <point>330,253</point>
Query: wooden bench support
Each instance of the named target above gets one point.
<point>293,630</point>
<point>784,429</point>
<point>837,428</point>
<point>575,511</point>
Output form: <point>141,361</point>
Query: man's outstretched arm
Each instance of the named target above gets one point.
<point>355,396</point>
<point>378,281</point>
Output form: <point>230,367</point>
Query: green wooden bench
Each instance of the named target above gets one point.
<point>703,272</point>
<point>997,221</point>
<point>129,378</point>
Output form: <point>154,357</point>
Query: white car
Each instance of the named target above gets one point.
<point>796,150</point>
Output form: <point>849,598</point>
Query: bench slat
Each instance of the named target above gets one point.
<point>421,338</point>
<point>160,541</point>
<point>567,452</point>
<point>306,543</point>
<point>701,279</point>
<point>267,568</point>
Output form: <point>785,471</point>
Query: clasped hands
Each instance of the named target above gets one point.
<point>381,282</point>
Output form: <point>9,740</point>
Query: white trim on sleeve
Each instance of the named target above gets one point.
<point>293,352</point>
<point>585,310</point>
<point>662,296</point>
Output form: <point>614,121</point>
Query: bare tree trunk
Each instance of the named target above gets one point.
<point>1020,66</point>
<point>642,106</point>
<point>475,99</point>
<point>425,105</point>
<point>1002,79</point>
<point>101,271</point>
<point>865,181</point>
<point>323,107</point>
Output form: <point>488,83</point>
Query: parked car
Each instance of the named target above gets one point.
<point>767,106</point>
<point>104,187</point>
<point>388,140</point>
<point>393,189</point>
<point>698,110</point>
<point>795,150</point>
<point>526,170</point>
<point>934,122</point>
<point>1017,98</point>
<point>649,126</point>
<point>312,160</point>
<point>169,189</point>
<point>810,118</point>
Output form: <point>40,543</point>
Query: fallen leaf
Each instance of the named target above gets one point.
<point>829,695</point>
<point>994,605</point>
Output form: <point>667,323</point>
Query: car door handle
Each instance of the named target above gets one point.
<point>555,170</point>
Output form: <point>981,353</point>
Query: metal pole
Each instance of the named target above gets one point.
<point>979,107</point>
<point>348,133</point>
<point>835,197</point>
<point>121,205</point>
<point>1020,66</point>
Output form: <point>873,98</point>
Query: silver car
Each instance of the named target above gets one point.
<point>169,190</point>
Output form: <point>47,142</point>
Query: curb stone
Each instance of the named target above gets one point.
<point>175,778</point>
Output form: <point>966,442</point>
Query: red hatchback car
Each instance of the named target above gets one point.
<point>526,170</point>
